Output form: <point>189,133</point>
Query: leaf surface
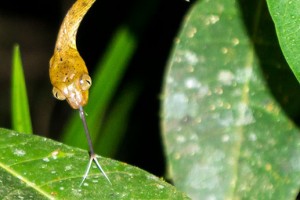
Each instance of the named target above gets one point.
<point>225,135</point>
<point>33,167</point>
<point>286,16</point>
<point>20,108</point>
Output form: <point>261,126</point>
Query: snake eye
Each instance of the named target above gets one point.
<point>58,94</point>
<point>85,82</point>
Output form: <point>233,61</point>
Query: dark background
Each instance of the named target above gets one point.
<point>34,26</point>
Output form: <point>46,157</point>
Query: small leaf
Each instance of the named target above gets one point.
<point>33,167</point>
<point>225,135</point>
<point>21,121</point>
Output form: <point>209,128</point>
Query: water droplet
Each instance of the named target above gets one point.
<point>180,139</point>
<point>160,186</point>
<point>225,77</point>
<point>85,184</point>
<point>212,19</point>
<point>268,167</point>
<point>192,83</point>
<point>54,154</point>
<point>68,167</point>
<point>224,50</point>
<point>218,90</point>
<point>212,107</point>
<point>19,152</point>
<point>203,91</point>
<point>225,138</point>
<point>235,41</point>
<point>191,57</point>
<point>191,32</point>
<point>252,137</point>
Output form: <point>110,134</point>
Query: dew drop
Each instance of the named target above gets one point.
<point>19,152</point>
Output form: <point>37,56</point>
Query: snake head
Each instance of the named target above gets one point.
<point>70,78</point>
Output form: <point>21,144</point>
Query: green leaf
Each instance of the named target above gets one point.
<point>21,121</point>
<point>286,17</point>
<point>225,135</point>
<point>33,167</point>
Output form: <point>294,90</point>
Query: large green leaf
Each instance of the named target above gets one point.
<point>20,108</point>
<point>33,167</point>
<point>225,135</point>
<point>286,16</point>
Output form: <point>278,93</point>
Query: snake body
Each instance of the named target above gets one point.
<point>68,72</point>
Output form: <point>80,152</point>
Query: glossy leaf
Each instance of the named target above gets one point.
<point>226,137</point>
<point>33,167</point>
<point>286,17</point>
<point>21,121</point>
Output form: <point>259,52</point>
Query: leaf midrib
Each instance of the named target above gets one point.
<point>245,95</point>
<point>25,180</point>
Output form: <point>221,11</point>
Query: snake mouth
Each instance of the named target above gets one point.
<point>77,99</point>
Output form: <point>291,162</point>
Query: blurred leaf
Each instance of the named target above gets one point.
<point>21,121</point>
<point>33,167</point>
<point>225,135</point>
<point>286,17</point>
<point>116,122</point>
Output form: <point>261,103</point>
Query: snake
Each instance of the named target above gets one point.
<point>68,73</point>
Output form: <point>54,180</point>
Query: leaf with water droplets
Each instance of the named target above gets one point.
<point>226,136</point>
<point>32,167</point>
